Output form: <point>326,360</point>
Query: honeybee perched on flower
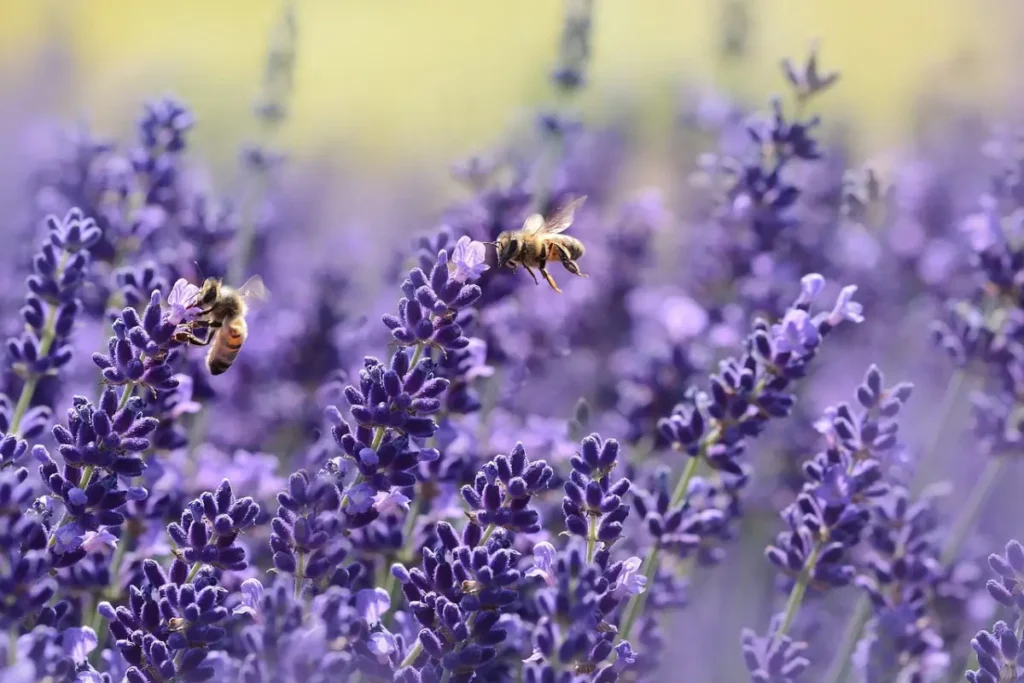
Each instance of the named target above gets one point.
<point>540,241</point>
<point>221,310</point>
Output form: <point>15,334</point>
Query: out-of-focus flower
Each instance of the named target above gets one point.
<point>78,643</point>
<point>372,604</point>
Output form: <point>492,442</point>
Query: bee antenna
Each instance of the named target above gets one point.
<point>199,269</point>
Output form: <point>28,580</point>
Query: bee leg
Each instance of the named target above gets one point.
<point>533,274</point>
<point>188,337</point>
<point>572,267</point>
<point>547,276</point>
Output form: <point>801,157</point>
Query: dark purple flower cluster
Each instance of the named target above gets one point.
<point>593,506</point>
<point>49,313</point>
<point>574,634</point>
<point>501,493</point>
<point>1000,650</point>
<point>426,314</point>
<point>902,641</point>
<point>832,513</point>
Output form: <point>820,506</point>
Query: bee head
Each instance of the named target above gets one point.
<point>209,292</point>
<point>506,247</point>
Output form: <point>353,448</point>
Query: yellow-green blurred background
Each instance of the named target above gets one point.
<point>407,79</point>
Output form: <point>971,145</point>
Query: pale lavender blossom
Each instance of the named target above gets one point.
<point>846,308</point>
<point>795,331</point>
<point>95,541</point>
<point>391,502</point>
<point>543,563</point>
<point>467,261</point>
<point>810,286</point>
<point>631,581</point>
<point>78,643</point>
<point>252,594</point>
<point>181,302</point>
<point>360,498</point>
<point>372,603</point>
<point>381,644</point>
<point>69,537</point>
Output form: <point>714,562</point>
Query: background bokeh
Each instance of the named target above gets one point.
<point>396,83</point>
<point>388,94</point>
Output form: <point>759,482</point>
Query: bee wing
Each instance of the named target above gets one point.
<point>563,217</point>
<point>254,291</point>
<point>533,224</point>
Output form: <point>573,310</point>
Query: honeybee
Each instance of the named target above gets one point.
<point>540,241</point>
<point>223,314</point>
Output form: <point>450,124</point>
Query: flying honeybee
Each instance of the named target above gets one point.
<point>223,314</point>
<point>540,241</point>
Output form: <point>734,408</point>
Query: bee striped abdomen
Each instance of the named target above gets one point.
<point>226,347</point>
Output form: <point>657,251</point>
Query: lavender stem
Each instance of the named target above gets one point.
<point>796,596</point>
<point>591,538</point>
<point>636,603</point>
<point>862,610</point>
<point>972,508</point>
<point>28,390</point>
<point>418,648</point>
<point>851,636</point>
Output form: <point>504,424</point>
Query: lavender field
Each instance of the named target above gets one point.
<point>574,358</point>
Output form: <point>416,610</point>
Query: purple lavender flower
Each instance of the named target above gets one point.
<point>467,260</point>
<point>593,505</point>
<point>1000,650</point>
<point>426,313</point>
<point>501,493</point>
<point>50,310</point>
<point>181,300</point>
<point>209,529</point>
<point>138,353</point>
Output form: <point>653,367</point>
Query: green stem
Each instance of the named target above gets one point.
<point>972,508</point>
<point>413,654</point>
<point>637,602</point>
<point>941,421</point>
<point>591,538</point>
<point>417,353</point>
<point>378,438</point>
<point>796,596</point>
<point>129,389</point>
<point>299,571</point>
<point>862,610</point>
<point>390,582</point>
<point>28,390</point>
<point>193,572</point>
<point>97,622</point>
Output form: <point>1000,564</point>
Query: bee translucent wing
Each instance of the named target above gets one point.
<point>563,217</point>
<point>253,290</point>
<point>533,224</point>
